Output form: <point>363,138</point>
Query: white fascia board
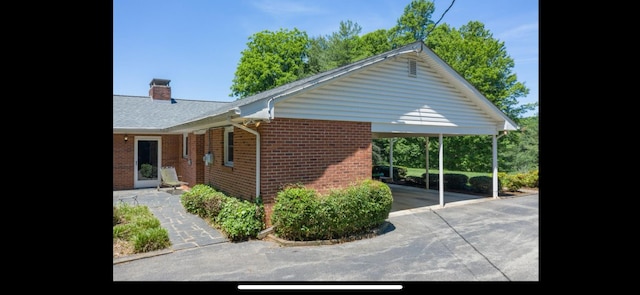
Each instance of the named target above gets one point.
<point>257,110</point>
<point>422,129</point>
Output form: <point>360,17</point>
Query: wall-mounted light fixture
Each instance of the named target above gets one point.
<point>126,138</point>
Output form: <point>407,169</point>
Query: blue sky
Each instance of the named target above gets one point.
<point>197,44</point>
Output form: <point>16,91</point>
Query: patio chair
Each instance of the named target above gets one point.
<point>169,177</point>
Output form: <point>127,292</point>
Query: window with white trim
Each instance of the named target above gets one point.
<point>185,145</point>
<point>228,146</point>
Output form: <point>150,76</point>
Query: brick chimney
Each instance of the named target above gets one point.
<point>160,89</point>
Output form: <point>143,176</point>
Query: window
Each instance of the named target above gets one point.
<point>185,145</point>
<point>228,146</point>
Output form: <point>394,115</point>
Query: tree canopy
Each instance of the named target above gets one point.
<point>270,60</point>
<point>276,58</point>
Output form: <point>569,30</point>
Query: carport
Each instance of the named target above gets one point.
<point>415,198</point>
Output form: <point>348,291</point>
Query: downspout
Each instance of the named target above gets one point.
<point>254,132</point>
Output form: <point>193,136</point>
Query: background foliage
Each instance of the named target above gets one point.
<point>276,58</point>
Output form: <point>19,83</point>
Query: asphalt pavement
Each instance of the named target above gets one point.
<point>486,240</point>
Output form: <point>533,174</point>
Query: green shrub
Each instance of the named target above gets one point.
<point>148,171</point>
<point>300,214</point>
<point>213,204</point>
<point>511,182</point>
<point>237,219</point>
<point>151,239</point>
<point>455,181</point>
<point>240,219</point>
<point>434,179</point>
<point>194,200</point>
<point>116,216</point>
<point>483,184</point>
<point>531,178</point>
<point>399,172</point>
<point>514,181</point>
<point>293,212</point>
<point>140,227</point>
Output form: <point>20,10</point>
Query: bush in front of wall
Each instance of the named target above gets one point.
<point>293,215</point>
<point>194,200</point>
<point>300,214</point>
<point>240,219</point>
<point>237,219</point>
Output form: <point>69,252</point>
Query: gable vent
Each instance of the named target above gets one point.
<point>412,68</point>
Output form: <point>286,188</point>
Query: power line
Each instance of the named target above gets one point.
<point>442,16</point>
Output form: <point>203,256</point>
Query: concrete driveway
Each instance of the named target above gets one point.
<point>476,239</point>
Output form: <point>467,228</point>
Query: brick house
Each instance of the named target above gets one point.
<point>316,131</point>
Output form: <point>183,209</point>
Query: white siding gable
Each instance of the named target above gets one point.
<point>393,100</point>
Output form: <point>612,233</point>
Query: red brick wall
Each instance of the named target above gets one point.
<point>239,180</point>
<point>322,155</point>
<point>160,92</point>
<point>319,154</point>
<point>124,159</point>
<point>123,162</point>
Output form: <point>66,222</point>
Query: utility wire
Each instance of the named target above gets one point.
<point>442,16</point>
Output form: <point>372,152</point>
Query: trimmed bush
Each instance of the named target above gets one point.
<point>455,181</point>
<point>483,184</point>
<point>237,219</point>
<point>293,213</point>
<point>194,200</point>
<point>240,219</point>
<point>398,171</point>
<point>300,214</point>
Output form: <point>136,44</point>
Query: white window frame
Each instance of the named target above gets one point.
<point>227,130</point>
<point>185,145</point>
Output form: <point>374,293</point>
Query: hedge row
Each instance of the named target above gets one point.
<point>238,219</point>
<point>300,214</point>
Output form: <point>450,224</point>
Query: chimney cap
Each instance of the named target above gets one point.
<point>162,82</point>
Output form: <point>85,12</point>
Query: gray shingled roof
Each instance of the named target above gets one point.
<point>142,112</point>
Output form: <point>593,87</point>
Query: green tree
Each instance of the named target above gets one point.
<point>483,61</point>
<point>318,58</point>
<point>270,60</point>
<point>414,24</point>
<point>344,46</point>
<point>375,42</point>
<point>522,154</point>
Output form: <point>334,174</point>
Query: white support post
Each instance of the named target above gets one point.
<point>426,175</point>
<point>391,141</point>
<point>495,166</point>
<point>440,166</point>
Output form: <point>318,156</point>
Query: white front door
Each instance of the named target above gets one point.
<point>147,161</point>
